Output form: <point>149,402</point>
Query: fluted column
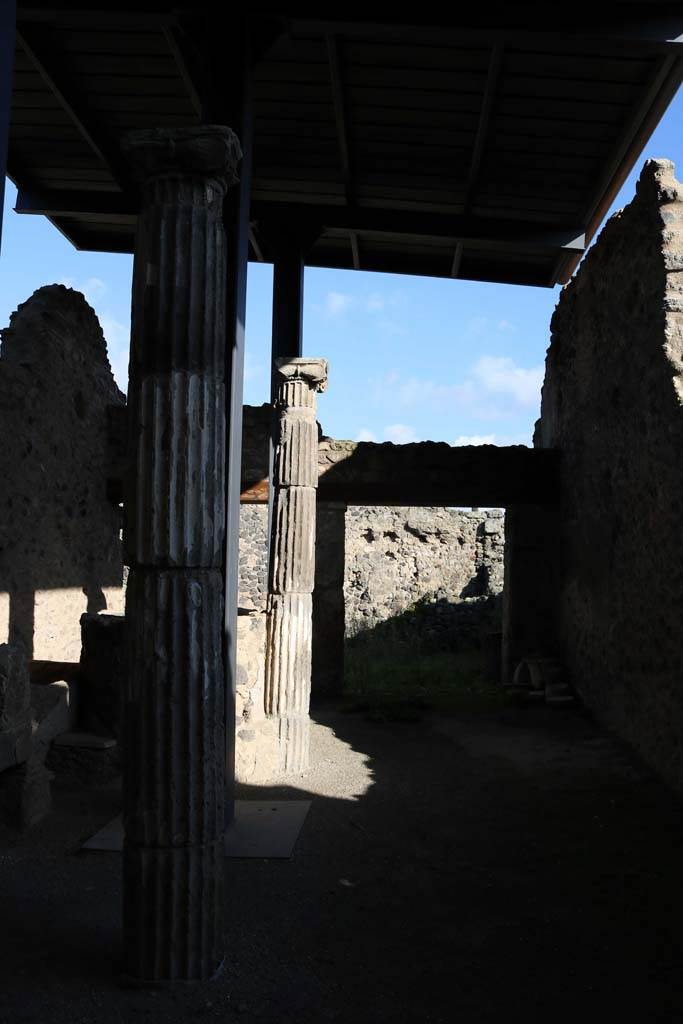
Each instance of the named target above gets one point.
<point>292,563</point>
<point>174,778</point>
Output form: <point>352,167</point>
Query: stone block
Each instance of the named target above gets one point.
<point>15,713</point>
<point>54,710</point>
<point>25,796</point>
<point>257,752</point>
<point>251,659</point>
<point>15,745</point>
<point>85,741</point>
<point>15,693</point>
<point>103,672</point>
<point>89,760</point>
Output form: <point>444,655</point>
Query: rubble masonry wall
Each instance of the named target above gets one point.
<point>391,557</point>
<point>612,405</point>
<point>60,549</point>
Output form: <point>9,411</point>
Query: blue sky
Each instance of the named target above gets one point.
<point>410,358</point>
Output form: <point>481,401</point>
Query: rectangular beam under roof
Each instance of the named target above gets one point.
<point>529,234</point>
<point>426,473</point>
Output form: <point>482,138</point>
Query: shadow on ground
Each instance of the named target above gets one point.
<point>477,867</point>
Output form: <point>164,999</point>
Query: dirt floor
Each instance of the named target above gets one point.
<point>517,864</point>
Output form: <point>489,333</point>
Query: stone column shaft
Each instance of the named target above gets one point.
<point>292,568</point>
<point>174,719</point>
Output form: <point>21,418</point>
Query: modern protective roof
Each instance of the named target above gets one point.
<point>484,149</point>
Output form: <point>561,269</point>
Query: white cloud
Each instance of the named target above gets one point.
<point>365,435</point>
<point>474,439</point>
<point>419,391</point>
<point>479,325</point>
<point>378,304</point>
<point>491,379</point>
<point>93,288</point>
<point>501,375</point>
<point>400,433</point>
<point>337,303</point>
<point>375,303</point>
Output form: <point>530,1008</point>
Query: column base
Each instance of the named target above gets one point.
<point>272,747</point>
<point>294,735</point>
<point>173,913</point>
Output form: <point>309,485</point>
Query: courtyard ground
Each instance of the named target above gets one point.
<point>482,865</point>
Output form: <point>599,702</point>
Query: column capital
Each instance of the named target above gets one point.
<point>208,151</point>
<point>312,371</point>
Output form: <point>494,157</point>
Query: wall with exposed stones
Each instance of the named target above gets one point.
<point>253,566</point>
<point>612,405</point>
<point>395,556</point>
<point>60,549</point>
<point>372,564</point>
<point>391,557</point>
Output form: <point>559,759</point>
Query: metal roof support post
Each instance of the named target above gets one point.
<point>219,70</point>
<point>288,302</point>
<point>288,240</point>
<point>174,708</point>
<point>236,209</point>
<point>8,24</point>
<point>289,243</point>
<point>287,336</point>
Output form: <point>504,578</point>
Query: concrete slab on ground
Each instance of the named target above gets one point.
<point>261,828</point>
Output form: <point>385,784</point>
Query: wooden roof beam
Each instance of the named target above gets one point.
<point>7,29</point>
<point>187,35</point>
<point>337,83</point>
<point>401,223</point>
<point>253,241</point>
<point>642,121</point>
<point>642,32</point>
<point>178,45</point>
<point>121,15</point>
<point>397,223</point>
<point>73,203</point>
<point>495,62</point>
<point>70,98</point>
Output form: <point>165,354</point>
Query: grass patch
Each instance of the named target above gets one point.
<point>397,681</point>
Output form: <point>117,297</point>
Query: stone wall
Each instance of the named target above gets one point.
<point>395,556</point>
<point>390,558</point>
<point>253,567</point>
<point>612,405</point>
<point>60,549</point>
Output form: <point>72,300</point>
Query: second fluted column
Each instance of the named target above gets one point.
<point>292,559</point>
